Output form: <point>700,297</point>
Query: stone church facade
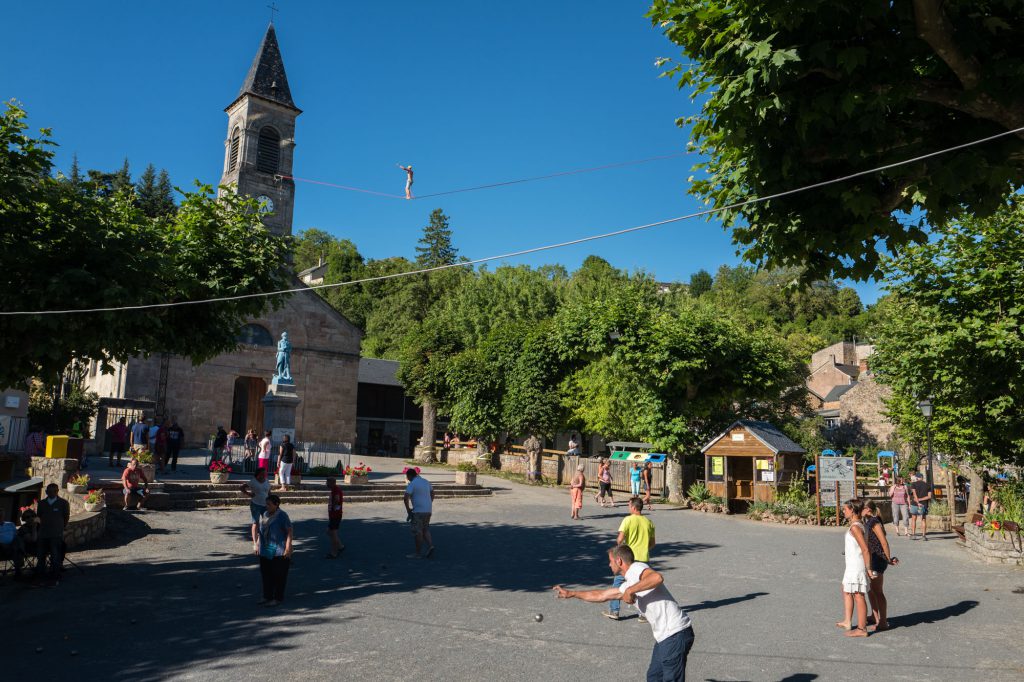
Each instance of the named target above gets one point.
<point>229,389</point>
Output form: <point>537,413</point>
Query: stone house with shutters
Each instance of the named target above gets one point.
<point>844,391</point>
<point>228,390</point>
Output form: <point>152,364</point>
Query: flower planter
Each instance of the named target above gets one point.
<point>149,471</point>
<point>465,478</point>
<point>296,480</point>
<point>219,477</point>
<point>77,489</point>
<point>357,480</point>
<point>94,506</point>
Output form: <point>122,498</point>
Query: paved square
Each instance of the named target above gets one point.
<point>173,596</point>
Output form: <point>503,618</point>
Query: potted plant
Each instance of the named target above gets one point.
<point>357,475</point>
<point>78,484</point>
<point>297,472</point>
<point>95,501</point>
<point>219,471</point>
<point>465,473</point>
<point>146,465</point>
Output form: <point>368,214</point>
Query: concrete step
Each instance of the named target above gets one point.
<point>186,502</point>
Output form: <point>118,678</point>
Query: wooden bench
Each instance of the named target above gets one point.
<point>959,530</point>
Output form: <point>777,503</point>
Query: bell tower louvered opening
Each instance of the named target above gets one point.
<point>268,154</point>
<point>233,149</point>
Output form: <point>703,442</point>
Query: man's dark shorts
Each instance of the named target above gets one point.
<point>919,510</point>
<point>333,524</point>
<point>668,660</point>
<point>117,449</point>
<point>420,522</point>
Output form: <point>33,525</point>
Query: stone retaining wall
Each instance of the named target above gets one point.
<point>552,466</point>
<point>83,526</point>
<point>994,549</point>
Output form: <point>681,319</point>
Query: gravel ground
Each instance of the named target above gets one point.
<point>172,595</point>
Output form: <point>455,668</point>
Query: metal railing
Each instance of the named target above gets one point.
<point>309,454</point>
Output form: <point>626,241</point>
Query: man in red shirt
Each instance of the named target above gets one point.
<point>134,481</point>
<point>118,441</point>
<point>334,510</point>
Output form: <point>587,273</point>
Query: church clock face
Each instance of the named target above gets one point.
<point>267,201</point>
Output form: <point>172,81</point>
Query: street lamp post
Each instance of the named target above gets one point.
<point>925,406</point>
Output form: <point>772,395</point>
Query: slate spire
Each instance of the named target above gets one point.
<point>266,77</point>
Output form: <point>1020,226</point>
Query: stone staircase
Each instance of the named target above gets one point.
<point>186,496</point>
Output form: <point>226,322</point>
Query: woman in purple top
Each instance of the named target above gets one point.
<point>900,506</point>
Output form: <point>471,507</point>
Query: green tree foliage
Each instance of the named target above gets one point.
<point>108,184</point>
<point>952,330</point>
<point>64,248</point>
<point>797,93</point>
<point>671,377</point>
<point>154,193</point>
<point>700,283</point>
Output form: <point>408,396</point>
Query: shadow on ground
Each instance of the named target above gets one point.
<point>200,604</point>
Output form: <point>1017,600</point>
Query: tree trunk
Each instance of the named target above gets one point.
<point>974,498</point>
<point>674,478</point>
<point>951,494</point>
<point>425,453</point>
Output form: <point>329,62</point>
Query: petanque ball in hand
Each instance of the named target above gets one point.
<point>539,617</point>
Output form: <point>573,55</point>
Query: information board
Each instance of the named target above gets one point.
<point>831,470</point>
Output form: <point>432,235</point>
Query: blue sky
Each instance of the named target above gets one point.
<point>468,92</point>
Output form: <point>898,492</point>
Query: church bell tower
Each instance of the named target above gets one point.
<point>261,137</point>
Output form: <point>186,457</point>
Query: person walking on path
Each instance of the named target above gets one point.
<point>637,532</point>
<point>53,514</point>
<point>251,446</point>
<point>576,487</point>
<point>264,453</point>
<point>118,441</point>
<point>335,508</point>
<point>408,179</point>
<point>286,459</point>
<point>604,483</point>
<point>419,504</point>
<point>900,506</point>
<point>275,551</point>
<point>635,479</point>
<point>670,624</point>
<point>856,577</point>
<point>881,559</point>
<point>220,441</point>
<point>175,438</point>
<point>646,474</point>
<point>921,495</point>
<point>257,490</point>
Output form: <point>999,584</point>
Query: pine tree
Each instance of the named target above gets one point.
<point>165,194</point>
<point>436,247</point>
<point>123,177</point>
<point>146,192</point>
<point>75,174</point>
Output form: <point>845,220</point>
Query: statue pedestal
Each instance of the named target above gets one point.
<point>279,407</point>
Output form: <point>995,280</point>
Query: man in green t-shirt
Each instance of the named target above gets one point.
<point>637,531</point>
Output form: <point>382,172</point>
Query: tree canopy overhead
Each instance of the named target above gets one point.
<point>798,93</point>
<point>64,246</point>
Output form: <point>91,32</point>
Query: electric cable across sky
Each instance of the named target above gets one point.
<point>523,252</point>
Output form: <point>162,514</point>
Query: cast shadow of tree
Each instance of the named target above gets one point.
<point>191,611</point>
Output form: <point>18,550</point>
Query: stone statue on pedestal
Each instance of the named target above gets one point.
<point>283,375</point>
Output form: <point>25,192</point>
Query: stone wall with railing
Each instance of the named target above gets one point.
<point>998,547</point>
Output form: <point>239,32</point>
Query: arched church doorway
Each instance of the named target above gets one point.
<point>247,405</point>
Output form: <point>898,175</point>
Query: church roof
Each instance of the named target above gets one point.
<point>378,371</point>
<point>266,77</point>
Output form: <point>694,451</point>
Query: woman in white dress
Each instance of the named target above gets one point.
<point>856,581</point>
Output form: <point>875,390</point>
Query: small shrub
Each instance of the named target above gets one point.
<point>698,492</point>
<point>79,479</point>
<point>144,457</point>
<point>939,508</point>
<point>465,466</point>
<point>323,471</point>
<point>714,499</point>
<point>758,509</point>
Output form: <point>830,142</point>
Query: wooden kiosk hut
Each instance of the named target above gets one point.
<point>751,461</point>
